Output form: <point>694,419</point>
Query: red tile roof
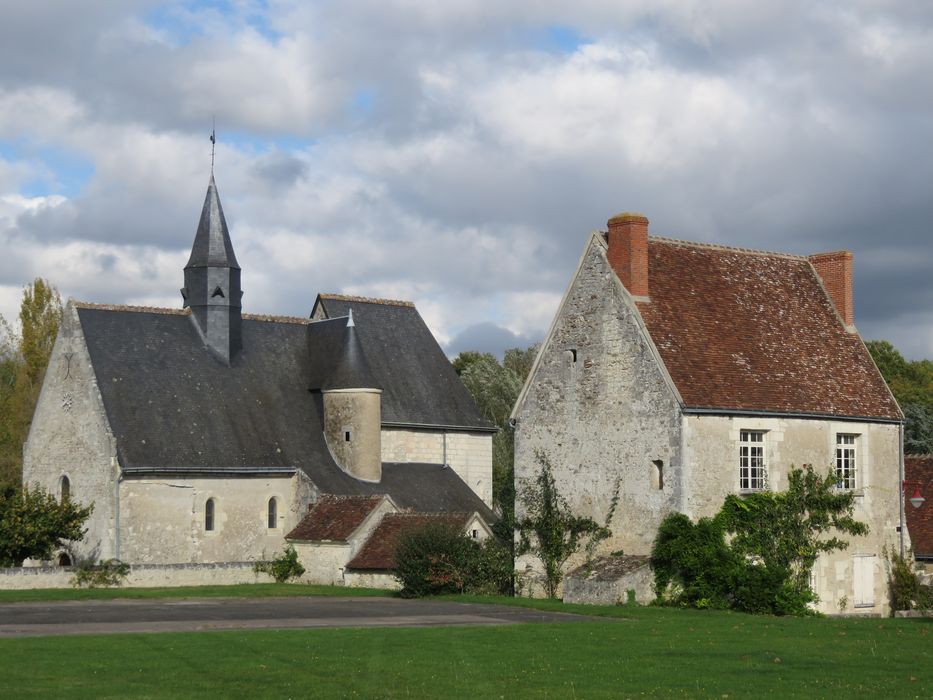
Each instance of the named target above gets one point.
<point>334,518</point>
<point>746,330</point>
<point>379,551</point>
<point>919,468</point>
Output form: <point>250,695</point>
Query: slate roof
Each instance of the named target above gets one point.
<point>351,369</point>
<point>378,554</point>
<point>419,385</point>
<point>747,330</point>
<point>174,409</point>
<point>334,518</point>
<point>920,520</point>
<point>212,246</point>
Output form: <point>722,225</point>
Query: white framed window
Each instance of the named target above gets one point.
<point>846,460</point>
<point>753,470</point>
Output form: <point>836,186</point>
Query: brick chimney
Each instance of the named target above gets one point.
<point>628,251</point>
<point>835,269</point>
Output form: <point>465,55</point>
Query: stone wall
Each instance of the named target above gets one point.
<point>163,518</point>
<point>70,436</point>
<point>140,576</point>
<point>711,455</point>
<point>468,453</point>
<point>602,410</point>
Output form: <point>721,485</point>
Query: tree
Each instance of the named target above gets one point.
<point>33,524</point>
<point>774,541</point>
<point>495,388</point>
<point>911,382</point>
<point>23,361</point>
<point>548,529</point>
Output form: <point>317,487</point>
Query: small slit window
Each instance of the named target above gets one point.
<point>209,515</point>
<point>475,534</point>
<point>218,292</point>
<point>273,514</point>
<point>66,488</point>
<point>657,474</point>
<point>347,436</point>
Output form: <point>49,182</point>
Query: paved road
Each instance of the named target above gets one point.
<point>202,614</point>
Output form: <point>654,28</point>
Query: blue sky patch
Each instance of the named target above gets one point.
<point>183,21</point>
<point>61,171</point>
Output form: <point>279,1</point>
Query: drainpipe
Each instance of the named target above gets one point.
<point>116,515</point>
<point>900,485</point>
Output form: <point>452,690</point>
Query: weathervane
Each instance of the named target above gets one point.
<point>213,142</point>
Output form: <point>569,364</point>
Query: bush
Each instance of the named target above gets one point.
<point>907,593</point>
<point>282,567</point>
<point>111,572</point>
<point>438,558</point>
<point>774,540</point>
<point>432,559</point>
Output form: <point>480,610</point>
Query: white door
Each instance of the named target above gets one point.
<point>863,570</point>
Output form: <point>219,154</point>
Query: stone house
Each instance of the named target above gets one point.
<point>681,372</point>
<point>204,434</point>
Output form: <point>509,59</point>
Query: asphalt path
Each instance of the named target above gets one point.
<point>204,614</point>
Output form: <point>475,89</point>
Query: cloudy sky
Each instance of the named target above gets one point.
<point>457,153</point>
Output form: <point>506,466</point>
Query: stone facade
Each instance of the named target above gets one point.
<point>602,411</point>
<point>352,431</point>
<point>76,439</point>
<point>163,518</point>
<point>602,408</point>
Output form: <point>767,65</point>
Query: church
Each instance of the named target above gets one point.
<point>203,434</point>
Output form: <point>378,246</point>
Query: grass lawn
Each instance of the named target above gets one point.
<point>651,652</point>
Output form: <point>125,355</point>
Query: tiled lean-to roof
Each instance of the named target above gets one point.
<point>746,330</point>
<point>919,470</point>
<point>378,554</point>
<point>334,518</point>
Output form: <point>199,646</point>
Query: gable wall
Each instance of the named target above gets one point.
<point>605,417</point>
<point>70,435</point>
<point>712,472</point>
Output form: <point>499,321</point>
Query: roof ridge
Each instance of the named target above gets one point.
<point>276,319</point>
<point>729,248</point>
<point>128,307</point>
<point>367,300</point>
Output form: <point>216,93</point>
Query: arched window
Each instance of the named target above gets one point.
<point>273,519</point>
<point>64,559</point>
<point>209,515</point>
<point>66,489</point>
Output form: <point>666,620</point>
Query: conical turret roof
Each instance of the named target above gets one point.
<point>351,371</point>
<point>212,246</point>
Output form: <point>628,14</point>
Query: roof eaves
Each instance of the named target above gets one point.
<point>719,411</point>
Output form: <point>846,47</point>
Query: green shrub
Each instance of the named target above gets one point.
<point>282,567</point>
<point>490,568</point>
<point>105,574</point>
<point>907,593</point>
<point>433,559</point>
<point>438,558</point>
<point>773,541</point>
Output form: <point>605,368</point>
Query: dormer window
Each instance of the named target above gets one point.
<point>218,292</point>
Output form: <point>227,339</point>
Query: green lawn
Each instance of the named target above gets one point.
<point>650,652</point>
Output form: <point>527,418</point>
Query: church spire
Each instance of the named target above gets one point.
<point>212,281</point>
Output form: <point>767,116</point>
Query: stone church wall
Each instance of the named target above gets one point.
<point>70,437</point>
<point>164,518</point>
<point>600,409</point>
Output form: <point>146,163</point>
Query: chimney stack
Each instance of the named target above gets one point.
<point>628,251</point>
<point>835,270</point>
